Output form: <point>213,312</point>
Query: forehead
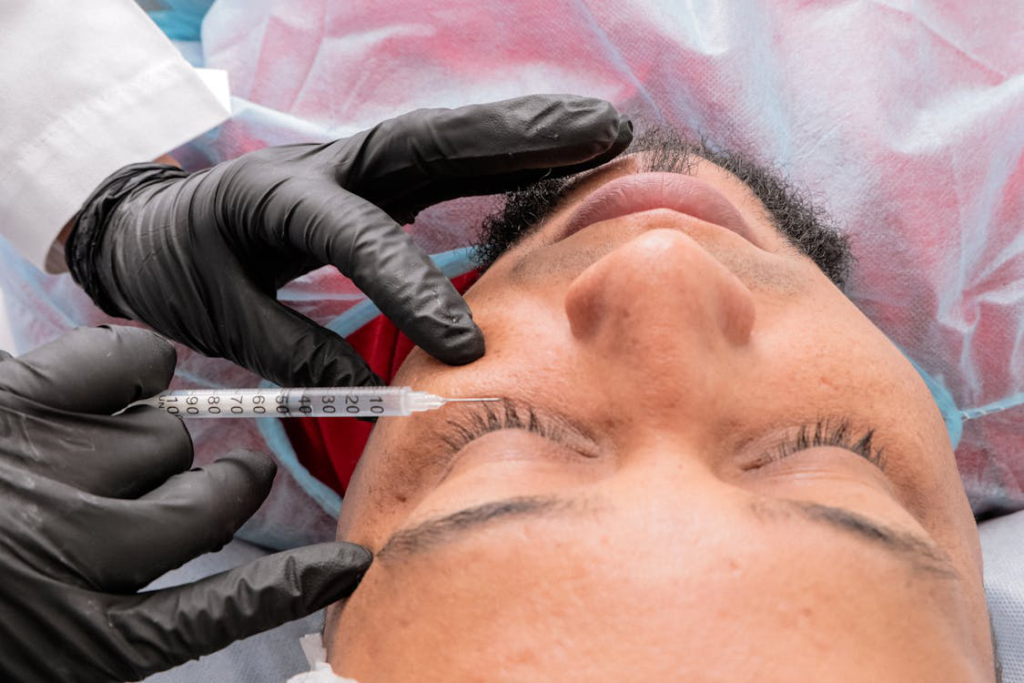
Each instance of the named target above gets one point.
<point>618,581</point>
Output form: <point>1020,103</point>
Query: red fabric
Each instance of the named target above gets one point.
<point>330,447</point>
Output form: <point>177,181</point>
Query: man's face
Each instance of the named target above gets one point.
<point>707,465</point>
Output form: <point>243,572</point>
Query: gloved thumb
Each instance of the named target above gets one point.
<point>176,624</point>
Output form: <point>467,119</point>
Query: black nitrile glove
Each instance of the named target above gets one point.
<point>94,507</point>
<point>199,257</point>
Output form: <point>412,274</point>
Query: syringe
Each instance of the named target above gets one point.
<point>324,402</point>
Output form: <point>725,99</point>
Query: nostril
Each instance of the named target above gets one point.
<point>582,304</point>
<point>737,312</point>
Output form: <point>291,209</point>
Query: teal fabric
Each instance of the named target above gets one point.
<point>179,19</point>
<point>951,414</point>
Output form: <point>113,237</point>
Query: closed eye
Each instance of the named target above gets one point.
<point>492,417</point>
<point>485,418</point>
<point>824,432</point>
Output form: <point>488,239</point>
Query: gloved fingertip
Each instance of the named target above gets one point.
<point>5,356</point>
<point>145,344</point>
<point>328,572</point>
<point>259,465</point>
<point>135,335</point>
<point>472,348</point>
<point>623,138</point>
<point>460,345</point>
<point>625,129</point>
<point>352,557</point>
<point>356,561</point>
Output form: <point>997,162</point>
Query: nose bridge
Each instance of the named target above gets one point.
<point>672,477</point>
<point>664,320</point>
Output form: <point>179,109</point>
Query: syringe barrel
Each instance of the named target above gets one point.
<point>327,402</point>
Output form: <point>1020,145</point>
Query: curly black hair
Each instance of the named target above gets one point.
<point>805,224</point>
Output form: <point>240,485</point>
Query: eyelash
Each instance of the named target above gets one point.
<point>823,432</point>
<point>473,425</point>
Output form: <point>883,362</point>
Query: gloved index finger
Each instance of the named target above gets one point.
<point>173,625</point>
<point>339,228</point>
<point>96,370</point>
<point>402,157</point>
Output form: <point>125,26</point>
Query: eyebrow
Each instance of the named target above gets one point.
<point>918,553</point>
<point>436,531</point>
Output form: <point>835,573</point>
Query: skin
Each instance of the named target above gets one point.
<point>682,352</point>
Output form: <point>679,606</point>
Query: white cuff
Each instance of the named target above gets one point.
<point>160,109</point>
<point>316,655</point>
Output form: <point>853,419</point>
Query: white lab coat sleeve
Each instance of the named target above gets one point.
<point>85,88</point>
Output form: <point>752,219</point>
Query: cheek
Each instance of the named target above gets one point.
<point>529,349</point>
<point>825,350</point>
<point>841,365</point>
<point>525,342</point>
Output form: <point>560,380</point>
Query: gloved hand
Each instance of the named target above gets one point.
<point>199,257</point>
<point>94,506</point>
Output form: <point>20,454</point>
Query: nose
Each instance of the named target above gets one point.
<point>665,320</point>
